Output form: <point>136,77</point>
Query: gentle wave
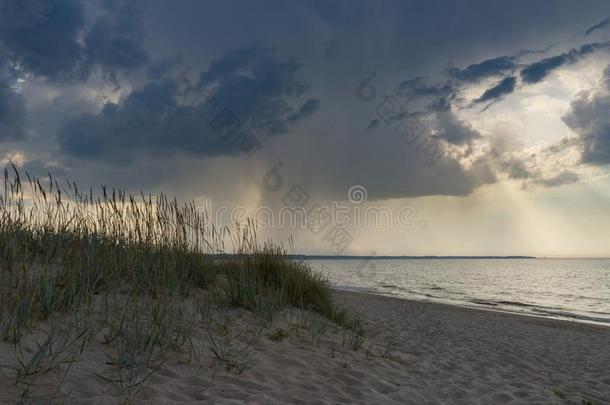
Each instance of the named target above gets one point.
<point>575,290</point>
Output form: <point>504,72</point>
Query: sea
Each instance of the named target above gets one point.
<point>569,289</point>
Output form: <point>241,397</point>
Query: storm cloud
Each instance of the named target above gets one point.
<point>601,25</point>
<point>589,119</point>
<point>113,42</point>
<point>53,39</point>
<point>42,36</point>
<point>506,86</point>
<point>247,92</point>
<point>453,130</point>
<point>119,63</point>
<point>12,114</point>
<point>537,71</point>
<point>488,68</point>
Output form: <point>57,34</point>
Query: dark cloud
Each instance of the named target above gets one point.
<point>248,89</point>
<point>42,36</point>
<point>433,102</point>
<point>418,87</point>
<point>395,39</point>
<point>331,50</point>
<point>159,69</point>
<point>307,109</point>
<point>114,40</point>
<point>488,68</point>
<point>373,124</point>
<point>598,26</point>
<point>12,114</point>
<point>436,102</point>
<point>537,71</point>
<point>235,59</point>
<point>453,130</point>
<point>589,119</point>
<point>446,91</point>
<point>51,38</point>
<point>342,14</point>
<point>148,120</point>
<point>506,86</point>
<point>145,118</point>
<point>261,95</point>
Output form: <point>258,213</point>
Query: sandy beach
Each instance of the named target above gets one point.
<point>413,352</point>
<point>461,355</point>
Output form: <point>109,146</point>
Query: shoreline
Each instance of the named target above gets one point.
<point>460,355</point>
<point>448,306</point>
<point>482,306</point>
<point>425,257</point>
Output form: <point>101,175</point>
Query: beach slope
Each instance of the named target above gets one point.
<point>412,353</point>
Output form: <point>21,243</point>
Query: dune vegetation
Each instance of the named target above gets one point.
<point>142,275</point>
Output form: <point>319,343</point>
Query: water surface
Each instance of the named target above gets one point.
<point>575,289</point>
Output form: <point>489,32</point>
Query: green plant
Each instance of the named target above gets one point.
<point>229,350</point>
<point>278,335</point>
<point>133,270</point>
<point>54,351</point>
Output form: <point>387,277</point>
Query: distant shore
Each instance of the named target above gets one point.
<point>340,257</point>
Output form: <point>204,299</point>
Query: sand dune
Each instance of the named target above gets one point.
<point>414,352</point>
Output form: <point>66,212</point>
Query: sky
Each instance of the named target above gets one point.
<point>339,127</point>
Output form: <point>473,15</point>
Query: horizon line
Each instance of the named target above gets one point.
<point>325,256</point>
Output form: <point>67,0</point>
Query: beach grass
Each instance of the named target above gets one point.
<point>139,271</point>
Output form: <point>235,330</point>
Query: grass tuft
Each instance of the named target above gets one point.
<point>126,266</point>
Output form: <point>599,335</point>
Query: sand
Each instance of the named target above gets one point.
<point>415,353</point>
<point>458,355</point>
